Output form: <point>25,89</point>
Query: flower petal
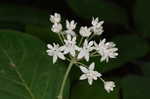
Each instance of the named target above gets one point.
<point>91,43</point>
<point>73,53</point>
<point>69,37</point>
<point>83,69</point>
<point>92,66</point>
<point>81,54</point>
<point>82,77</point>
<point>54,59</point>
<point>98,74</point>
<point>87,57</point>
<point>49,46</point>
<point>90,81</point>
<point>61,56</point>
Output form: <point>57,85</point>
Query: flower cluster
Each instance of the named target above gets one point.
<point>86,48</point>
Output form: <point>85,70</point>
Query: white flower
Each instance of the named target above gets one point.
<point>55,51</point>
<point>70,32</point>
<point>109,85</point>
<point>106,50</point>
<point>70,46</point>
<point>56,18</point>
<point>97,27</point>
<point>85,51</point>
<point>96,23</point>
<point>57,27</point>
<point>89,73</point>
<point>85,31</point>
<point>70,27</point>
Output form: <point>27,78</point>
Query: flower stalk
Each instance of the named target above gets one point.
<point>60,96</point>
<point>86,48</point>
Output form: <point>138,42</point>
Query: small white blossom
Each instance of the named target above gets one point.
<point>57,27</point>
<point>55,51</point>
<point>70,32</point>
<point>85,31</point>
<point>70,27</point>
<point>85,51</point>
<point>89,73</point>
<point>97,27</point>
<point>109,86</point>
<point>70,45</point>
<point>56,18</point>
<point>106,50</point>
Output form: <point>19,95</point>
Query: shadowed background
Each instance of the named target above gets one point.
<point>127,23</point>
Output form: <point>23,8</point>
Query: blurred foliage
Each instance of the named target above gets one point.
<point>23,14</point>
<point>82,90</point>
<point>134,87</point>
<point>108,12</point>
<point>142,17</point>
<point>22,18</point>
<point>42,32</point>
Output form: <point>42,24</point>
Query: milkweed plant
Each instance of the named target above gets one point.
<point>75,52</point>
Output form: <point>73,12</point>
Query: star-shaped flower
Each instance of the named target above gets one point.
<point>106,50</point>
<point>70,46</point>
<point>89,73</point>
<point>109,85</point>
<point>57,27</point>
<point>56,18</point>
<point>85,31</point>
<point>97,27</point>
<point>55,51</point>
<point>70,27</point>
<point>85,51</point>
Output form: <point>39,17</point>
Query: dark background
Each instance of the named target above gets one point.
<point>127,23</point>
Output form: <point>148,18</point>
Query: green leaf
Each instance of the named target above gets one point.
<point>108,12</point>
<point>26,71</point>
<point>131,47</point>
<point>12,25</point>
<point>134,87</point>
<point>84,91</point>
<point>142,18</point>
<point>23,14</point>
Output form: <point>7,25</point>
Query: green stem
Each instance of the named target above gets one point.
<point>81,40</point>
<point>93,53</point>
<point>60,96</point>
<point>102,80</point>
<point>61,39</point>
<point>90,37</point>
<point>81,64</point>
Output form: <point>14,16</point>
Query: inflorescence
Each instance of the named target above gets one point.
<point>74,51</point>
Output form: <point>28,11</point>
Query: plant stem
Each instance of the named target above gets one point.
<point>81,40</point>
<point>90,37</point>
<point>60,96</point>
<point>102,80</point>
<point>61,38</point>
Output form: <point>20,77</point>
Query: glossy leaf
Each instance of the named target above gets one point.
<point>26,71</point>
